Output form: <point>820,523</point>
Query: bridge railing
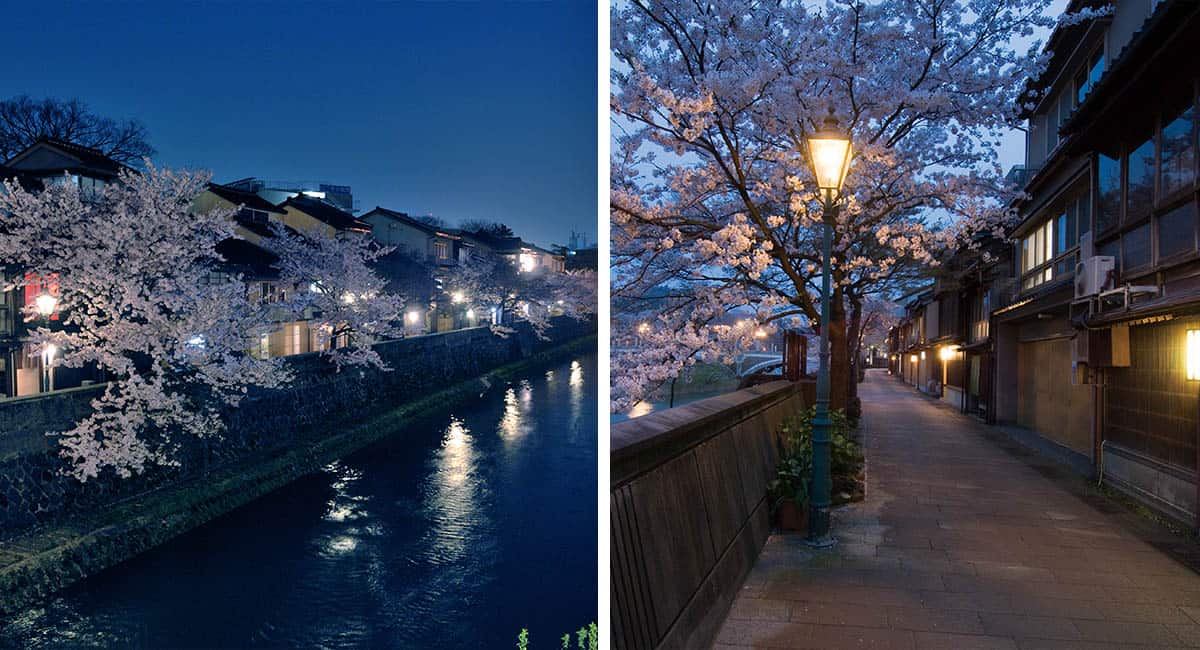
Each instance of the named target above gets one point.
<point>689,512</point>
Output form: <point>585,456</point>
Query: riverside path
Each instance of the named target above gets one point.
<point>966,541</point>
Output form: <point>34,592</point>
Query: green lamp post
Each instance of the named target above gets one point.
<point>829,150</point>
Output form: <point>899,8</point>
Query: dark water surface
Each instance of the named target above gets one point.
<point>454,532</point>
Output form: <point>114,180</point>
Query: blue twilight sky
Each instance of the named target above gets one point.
<point>460,110</point>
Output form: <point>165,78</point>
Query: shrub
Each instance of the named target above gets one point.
<point>793,474</point>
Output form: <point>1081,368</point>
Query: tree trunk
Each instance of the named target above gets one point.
<point>854,339</point>
<point>839,357</point>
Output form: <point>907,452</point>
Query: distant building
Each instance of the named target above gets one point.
<point>339,196</point>
<point>440,246</point>
<point>582,259</point>
<point>49,161</point>
<point>306,214</point>
<point>52,161</point>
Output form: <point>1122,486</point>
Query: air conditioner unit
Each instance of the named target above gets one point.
<point>1093,275</point>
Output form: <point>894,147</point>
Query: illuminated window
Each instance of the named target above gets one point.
<point>1193,355</point>
<point>441,249</point>
<point>526,262</point>
<point>1036,252</point>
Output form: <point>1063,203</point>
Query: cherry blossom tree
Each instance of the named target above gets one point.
<point>487,285</point>
<point>142,298</point>
<point>714,206</point>
<point>338,291</point>
<point>129,265</point>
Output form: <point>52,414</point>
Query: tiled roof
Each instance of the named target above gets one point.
<point>90,160</point>
<point>403,217</point>
<point>326,213</point>
<point>248,199</point>
<point>247,258</point>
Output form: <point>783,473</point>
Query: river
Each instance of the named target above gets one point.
<point>455,531</point>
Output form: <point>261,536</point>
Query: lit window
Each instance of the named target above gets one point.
<point>441,249</point>
<point>526,262</point>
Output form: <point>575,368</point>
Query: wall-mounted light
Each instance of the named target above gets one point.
<point>949,352</point>
<point>1193,355</point>
<point>913,358</point>
<point>922,355</point>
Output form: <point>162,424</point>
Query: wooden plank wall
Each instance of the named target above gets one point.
<point>689,512</point>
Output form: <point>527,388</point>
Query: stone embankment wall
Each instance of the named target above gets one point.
<point>33,489</point>
<point>689,512</point>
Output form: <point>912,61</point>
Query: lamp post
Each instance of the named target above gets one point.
<point>829,149</point>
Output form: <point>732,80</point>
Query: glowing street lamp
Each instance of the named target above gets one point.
<point>829,152</point>
<point>457,297</point>
<point>45,304</point>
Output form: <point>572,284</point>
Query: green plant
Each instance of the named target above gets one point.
<point>588,638</point>
<point>793,474</point>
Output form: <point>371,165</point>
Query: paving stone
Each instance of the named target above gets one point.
<point>1127,632</point>
<point>760,609</point>
<point>940,641</point>
<point>935,620</point>
<point>962,544</point>
<point>839,614</point>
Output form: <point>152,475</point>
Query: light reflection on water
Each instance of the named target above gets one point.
<point>456,531</point>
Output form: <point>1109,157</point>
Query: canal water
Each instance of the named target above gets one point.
<point>454,532</point>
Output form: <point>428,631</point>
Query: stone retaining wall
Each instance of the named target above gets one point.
<point>688,511</point>
<point>33,490</point>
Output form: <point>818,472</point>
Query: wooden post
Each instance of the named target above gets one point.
<point>794,349</point>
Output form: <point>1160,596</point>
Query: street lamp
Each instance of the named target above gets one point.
<point>45,304</point>
<point>829,151</point>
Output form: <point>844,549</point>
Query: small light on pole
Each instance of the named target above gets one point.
<point>45,304</point>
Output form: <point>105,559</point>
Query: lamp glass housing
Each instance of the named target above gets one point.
<point>830,152</point>
<point>1193,355</point>
<point>45,304</point>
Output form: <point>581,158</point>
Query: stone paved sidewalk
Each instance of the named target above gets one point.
<point>965,541</point>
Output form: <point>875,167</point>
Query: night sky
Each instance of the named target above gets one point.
<point>459,110</point>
